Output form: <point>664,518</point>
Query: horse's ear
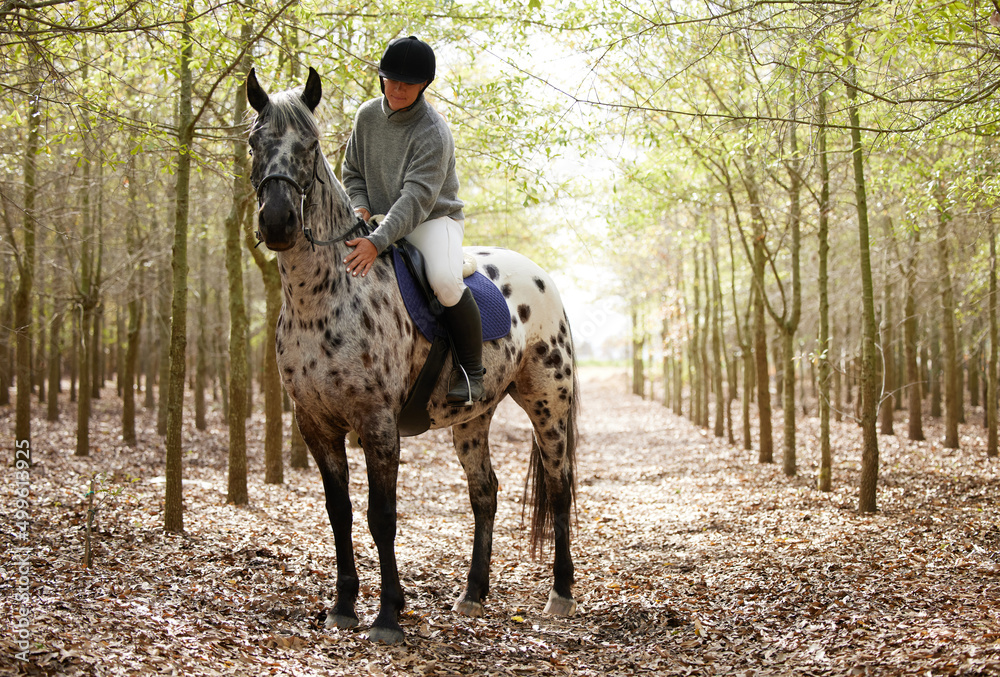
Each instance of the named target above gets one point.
<point>313,91</point>
<point>255,93</point>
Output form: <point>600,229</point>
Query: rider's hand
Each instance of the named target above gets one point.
<point>361,259</point>
<point>364,214</point>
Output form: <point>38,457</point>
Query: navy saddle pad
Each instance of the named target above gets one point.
<point>492,305</point>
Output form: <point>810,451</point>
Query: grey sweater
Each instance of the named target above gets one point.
<point>401,164</point>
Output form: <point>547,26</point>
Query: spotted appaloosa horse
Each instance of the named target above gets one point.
<point>348,354</point>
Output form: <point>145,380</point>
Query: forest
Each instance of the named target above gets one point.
<point>792,202</point>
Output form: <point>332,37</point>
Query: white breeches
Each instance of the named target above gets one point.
<point>440,241</point>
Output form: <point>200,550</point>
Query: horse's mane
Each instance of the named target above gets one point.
<point>286,108</point>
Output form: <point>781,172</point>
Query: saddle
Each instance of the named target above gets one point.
<point>424,308</point>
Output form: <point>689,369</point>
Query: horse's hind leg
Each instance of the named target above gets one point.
<point>328,449</point>
<point>553,457</point>
<point>472,444</point>
<point>559,488</point>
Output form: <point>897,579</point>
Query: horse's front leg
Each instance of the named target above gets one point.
<point>380,441</point>
<point>327,448</point>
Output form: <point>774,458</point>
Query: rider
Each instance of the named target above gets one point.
<point>400,162</point>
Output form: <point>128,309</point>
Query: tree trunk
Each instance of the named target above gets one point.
<point>825,481</point>
<point>55,365</point>
<point>128,379</point>
<point>959,371</point>
<point>40,361</point>
<point>887,404</point>
<point>6,323</point>
<point>977,357</point>
<point>935,368</point>
<point>789,323</point>
<point>74,369</point>
<point>706,365</point>
<point>173,510</point>
<point>766,451</point>
<point>239,214</point>
<point>720,399</point>
<point>163,353</point>
<point>638,383</point>
<point>274,472</point>
<point>202,342</point>
<point>789,461</point>
<point>949,335</point>
<point>869,387</point>
<point>667,358</point>
<point>991,377</point>
<point>26,274</point>
<point>88,302</point>
<point>97,341</point>
<point>742,338</point>
<point>914,388</point>
<point>150,348</point>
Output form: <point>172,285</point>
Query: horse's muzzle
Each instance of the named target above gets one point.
<point>277,225</point>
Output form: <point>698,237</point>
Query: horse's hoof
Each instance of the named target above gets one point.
<point>385,635</point>
<point>467,607</point>
<point>341,621</point>
<point>559,605</point>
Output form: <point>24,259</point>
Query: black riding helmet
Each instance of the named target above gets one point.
<point>408,60</point>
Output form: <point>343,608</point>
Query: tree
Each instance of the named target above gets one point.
<point>239,215</point>
<point>134,320</point>
<point>173,512</point>
<point>952,392</point>
<point>25,259</point>
<point>991,390</point>
<point>825,482</point>
<point>273,463</point>
<point>869,390</point>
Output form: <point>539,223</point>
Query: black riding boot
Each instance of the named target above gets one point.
<point>465,327</point>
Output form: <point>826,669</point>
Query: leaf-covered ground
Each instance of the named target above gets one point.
<point>691,558</point>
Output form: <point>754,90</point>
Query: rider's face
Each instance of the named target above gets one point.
<point>402,95</point>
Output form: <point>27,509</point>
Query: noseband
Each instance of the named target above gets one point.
<point>360,227</point>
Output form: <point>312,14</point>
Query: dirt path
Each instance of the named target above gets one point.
<point>691,559</point>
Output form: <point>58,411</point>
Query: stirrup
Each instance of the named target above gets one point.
<point>467,393</point>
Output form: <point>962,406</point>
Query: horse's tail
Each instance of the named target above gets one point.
<point>545,523</point>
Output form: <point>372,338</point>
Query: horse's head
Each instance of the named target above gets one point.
<point>284,143</point>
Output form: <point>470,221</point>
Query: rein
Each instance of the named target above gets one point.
<point>360,227</point>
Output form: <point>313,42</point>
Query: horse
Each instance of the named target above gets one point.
<point>348,353</point>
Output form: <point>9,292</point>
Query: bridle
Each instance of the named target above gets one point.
<point>360,227</point>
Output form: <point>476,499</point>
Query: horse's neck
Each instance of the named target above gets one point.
<point>313,276</point>
<point>328,211</point>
